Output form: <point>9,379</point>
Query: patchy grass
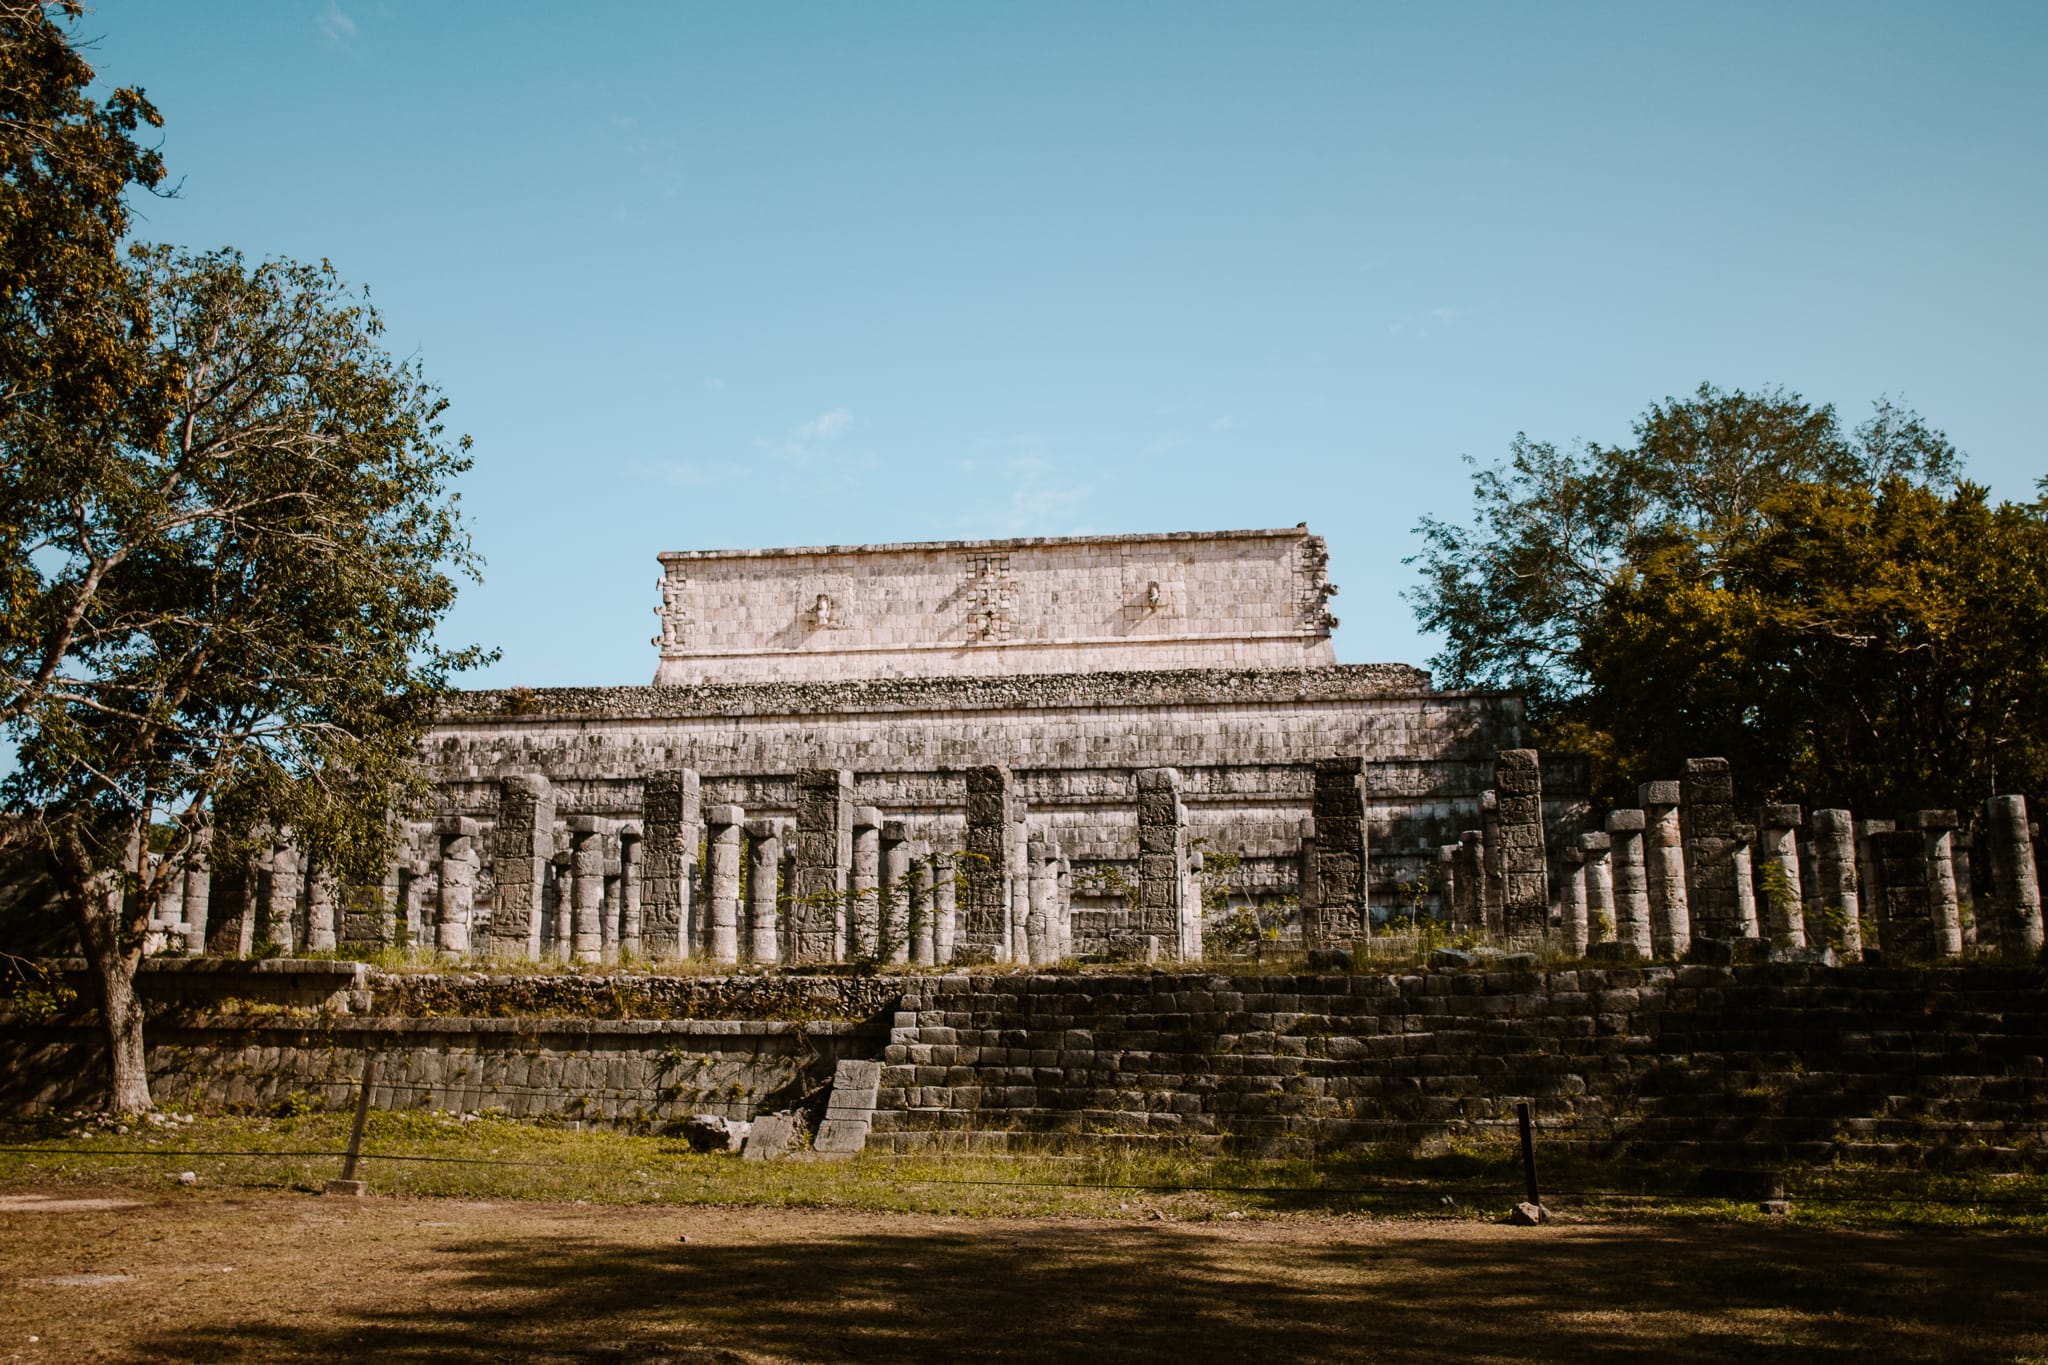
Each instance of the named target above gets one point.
<point>485,1156</point>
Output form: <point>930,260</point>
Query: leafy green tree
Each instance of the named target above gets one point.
<point>1828,609</point>
<point>226,599</point>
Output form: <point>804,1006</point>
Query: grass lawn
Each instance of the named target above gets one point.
<point>573,1249</point>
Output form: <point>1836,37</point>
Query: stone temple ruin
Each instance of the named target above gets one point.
<point>1018,750</point>
<point>1035,750</point>
<point>1025,752</point>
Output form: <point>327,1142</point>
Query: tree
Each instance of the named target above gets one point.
<point>226,593</point>
<point>1829,610</point>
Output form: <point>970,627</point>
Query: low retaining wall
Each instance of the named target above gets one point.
<point>1765,1063</point>
<point>1769,1062</point>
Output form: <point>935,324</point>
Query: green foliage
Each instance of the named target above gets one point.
<point>1831,611</point>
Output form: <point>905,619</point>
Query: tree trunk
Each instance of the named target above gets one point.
<point>112,940</point>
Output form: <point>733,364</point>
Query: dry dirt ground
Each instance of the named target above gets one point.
<point>99,1275</point>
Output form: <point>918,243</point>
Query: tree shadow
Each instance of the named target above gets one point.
<point>1121,1292</point>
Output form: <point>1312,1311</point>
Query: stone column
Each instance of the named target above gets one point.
<point>1447,884</point>
<point>923,935</point>
<point>1834,875</point>
<point>1907,924</point>
<point>632,868</point>
<point>586,893</point>
<point>1745,882</point>
<point>985,919</point>
<point>1870,877</point>
<point>1572,901</point>
<point>671,815</point>
<point>280,914</point>
<point>1707,820</point>
<point>892,913</point>
<point>863,901</point>
<point>1664,864</point>
<point>1595,850</point>
<point>562,932</point>
<point>727,824</point>
<point>1938,827</point>
<point>1040,943</point>
<point>1190,945</point>
<point>612,910</point>
<point>1631,881</point>
<point>1525,866</point>
<point>945,907</point>
<point>2015,916</point>
<point>1305,899</point>
<point>458,884</point>
<point>1063,902</point>
<point>1778,874</point>
<point>1492,871</point>
<point>522,846</point>
<point>1162,860</point>
<point>197,892</point>
<point>233,903</point>
<point>1020,882</point>
<point>320,908</point>
<point>1472,881</point>
<point>824,854</point>
<point>764,868</point>
<point>1343,915</point>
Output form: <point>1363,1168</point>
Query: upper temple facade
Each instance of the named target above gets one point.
<point>1045,605</point>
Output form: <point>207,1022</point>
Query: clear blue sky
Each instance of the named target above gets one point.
<point>763,274</point>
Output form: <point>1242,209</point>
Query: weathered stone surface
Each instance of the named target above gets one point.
<point>2016,916</point>
<point>988,865</point>
<point>523,845</point>
<point>770,1138</point>
<point>1664,869</point>
<point>1342,914</point>
<point>1779,875</point>
<point>672,817</point>
<point>1707,818</point>
<point>1631,883</point>
<point>824,857</point>
<point>1525,881</point>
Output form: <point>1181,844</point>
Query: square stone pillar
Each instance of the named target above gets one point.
<point>1745,882</point>
<point>824,856</point>
<point>1525,866</point>
<point>1020,882</point>
<point>726,825</point>
<point>586,894</point>
<point>523,844</point>
<point>632,869</point>
<point>945,906</point>
<point>864,895</point>
<point>561,925</point>
<point>984,928</point>
<point>1837,899</point>
<point>1493,881</point>
<point>1190,947</point>
<point>1631,881</point>
<point>1779,874</point>
<point>892,918</point>
<point>671,816</point>
<point>1707,821</point>
<point>763,936</point>
<point>1596,854</point>
<point>611,918</point>
<point>1944,906</point>
<point>1162,860</point>
<point>1664,864</point>
<point>1063,902</point>
<point>2015,916</point>
<point>1342,914</point>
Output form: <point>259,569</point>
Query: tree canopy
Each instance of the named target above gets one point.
<point>227,533</point>
<point>1834,611</point>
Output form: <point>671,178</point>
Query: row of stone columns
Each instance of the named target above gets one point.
<point>1679,863</point>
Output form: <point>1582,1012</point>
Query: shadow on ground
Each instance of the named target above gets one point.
<point>991,1291</point>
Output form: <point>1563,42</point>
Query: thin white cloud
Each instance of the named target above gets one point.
<point>826,425</point>
<point>336,25</point>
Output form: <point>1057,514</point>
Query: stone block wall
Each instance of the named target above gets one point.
<point>1769,1062</point>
